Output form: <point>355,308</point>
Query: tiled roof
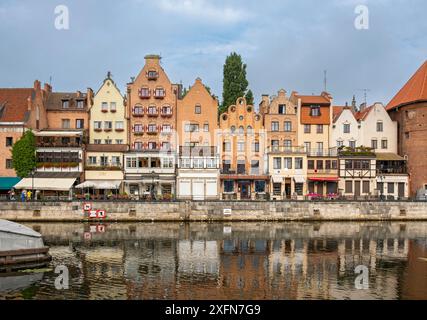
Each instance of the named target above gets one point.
<point>336,112</point>
<point>15,103</point>
<point>361,115</point>
<point>413,91</point>
<point>54,101</point>
<point>322,99</point>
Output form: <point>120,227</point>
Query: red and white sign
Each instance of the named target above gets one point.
<point>101,228</point>
<point>101,214</point>
<point>87,206</point>
<point>87,236</point>
<point>93,214</point>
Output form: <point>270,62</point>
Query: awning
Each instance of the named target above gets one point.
<point>100,185</point>
<point>277,179</point>
<point>46,184</point>
<point>7,183</point>
<point>299,179</point>
<point>389,157</point>
<point>325,179</point>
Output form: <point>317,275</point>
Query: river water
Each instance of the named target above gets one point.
<point>146,261</point>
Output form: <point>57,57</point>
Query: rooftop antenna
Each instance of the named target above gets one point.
<point>325,80</point>
<point>365,94</point>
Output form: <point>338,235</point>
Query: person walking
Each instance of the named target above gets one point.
<point>23,196</point>
<point>29,194</point>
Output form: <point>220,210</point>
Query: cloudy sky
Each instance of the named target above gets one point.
<point>285,43</point>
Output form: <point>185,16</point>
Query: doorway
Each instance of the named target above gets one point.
<point>288,188</point>
<point>357,188</point>
<point>401,190</point>
<point>245,190</point>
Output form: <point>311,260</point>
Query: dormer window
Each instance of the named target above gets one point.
<point>65,104</point>
<point>80,104</point>
<point>315,111</point>
<point>152,75</point>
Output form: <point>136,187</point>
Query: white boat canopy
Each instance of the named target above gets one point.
<point>100,185</point>
<point>47,184</point>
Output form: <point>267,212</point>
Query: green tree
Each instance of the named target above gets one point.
<point>249,98</point>
<point>235,83</point>
<point>24,154</point>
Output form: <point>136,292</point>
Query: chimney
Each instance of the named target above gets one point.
<point>47,88</point>
<point>154,58</point>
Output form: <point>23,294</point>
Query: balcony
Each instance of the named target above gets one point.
<point>103,167</point>
<point>356,152</point>
<point>287,150</point>
<point>59,144</point>
<point>322,152</point>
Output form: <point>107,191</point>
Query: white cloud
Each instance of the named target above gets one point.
<point>203,10</point>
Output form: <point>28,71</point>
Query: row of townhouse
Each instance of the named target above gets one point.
<point>156,142</point>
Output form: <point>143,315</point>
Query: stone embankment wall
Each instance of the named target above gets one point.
<point>218,211</point>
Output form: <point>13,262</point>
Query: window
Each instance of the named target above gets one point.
<point>198,163</point>
<point>108,125</point>
<point>228,186</point>
<point>131,162</point>
<point>348,164</point>
<point>160,92</point>
<point>185,163</point>
<point>194,127</point>
<point>113,106</point>
<point>226,146</point>
<point>320,128</point>
<point>310,164</point>
<point>65,104</point>
<point>92,161</point>
<point>138,128</point>
<point>299,187</point>
<point>80,104</point>
<point>275,126</point>
<point>103,161</point>
<point>319,164</point>
<point>241,146</point>
<point>104,106</point>
<point>152,146</point>
<point>65,140</point>
<point>366,187</point>
<point>366,164</point>
<point>108,141</point>
<point>288,126</point>
<point>241,130</point>
<point>198,109</point>
<point>152,74</point>
<point>138,145</point>
<point>226,166</point>
<point>167,128</point>
<point>288,145</point>
<point>307,146</point>
<point>307,128</point>
<point>9,141</point>
<point>380,187</point>
<point>119,125</point>
<point>259,186</point>
<point>115,161</point>
<point>315,111</point>
<point>80,123</point>
<point>9,164</point>
<point>97,141</point>
<point>334,164</point>
<point>380,126</point>
<point>352,144</point>
<point>119,141</point>
<point>255,167</point>
<point>390,188</point>
<point>275,145</point>
<point>320,148</point>
<point>328,164</point>
<point>144,92</point>
<point>384,144</point>
<point>152,128</point>
<point>65,123</point>
<point>167,163</point>
<point>255,146</point>
<point>340,143</point>
<point>349,187</point>
<point>166,110</point>
<point>97,125</point>
<point>346,128</point>
<point>277,163</point>
<point>287,163</point>
<point>138,110</point>
<point>206,127</point>
<point>299,164</point>
<point>233,129</point>
<point>211,163</point>
<point>152,110</point>
<point>250,130</point>
<point>277,189</point>
<point>241,167</point>
<point>282,108</point>
<point>374,144</point>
